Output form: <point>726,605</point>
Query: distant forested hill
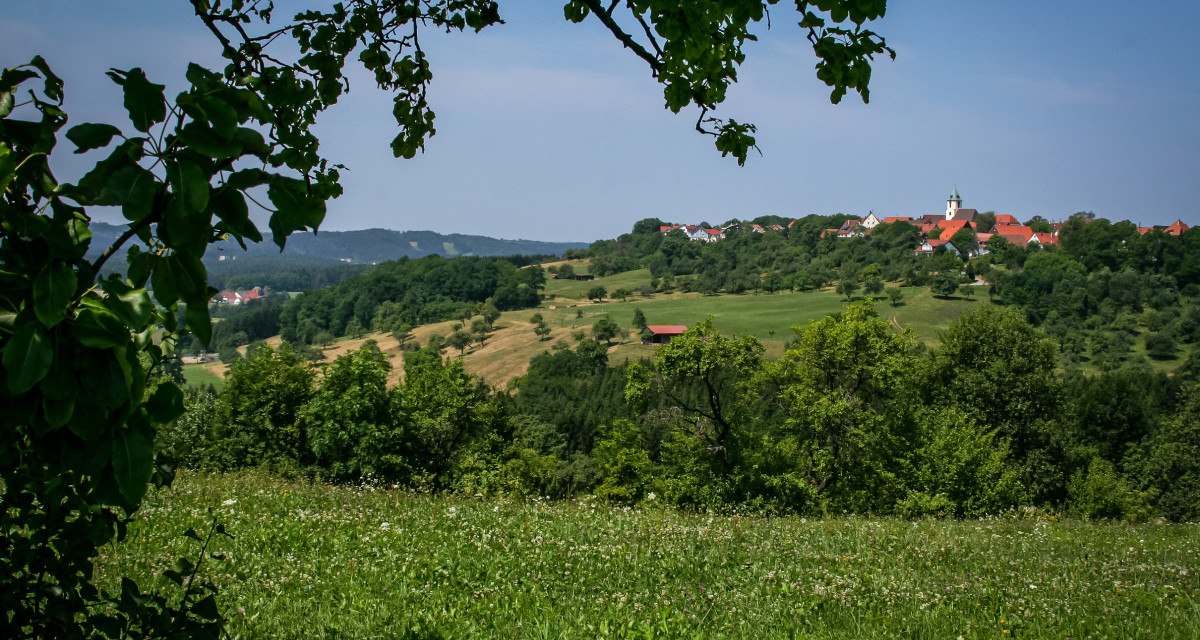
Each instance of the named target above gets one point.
<point>369,245</point>
<point>325,258</point>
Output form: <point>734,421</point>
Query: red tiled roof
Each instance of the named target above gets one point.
<point>1004,218</point>
<point>951,227</point>
<point>666,329</point>
<point>1014,230</point>
<point>1177,228</point>
<point>1013,238</point>
<point>713,232</point>
<point>891,219</point>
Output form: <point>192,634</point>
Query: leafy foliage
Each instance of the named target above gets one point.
<point>695,50</point>
<point>348,421</point>
<point>839,391</point>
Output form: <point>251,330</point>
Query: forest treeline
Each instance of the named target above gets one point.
<point>853,417</point>
<point>410,293</point>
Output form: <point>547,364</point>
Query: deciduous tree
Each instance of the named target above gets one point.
<point>703,373</point>
<point>842,391</point>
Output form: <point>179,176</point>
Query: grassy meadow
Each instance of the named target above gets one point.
<point>311,560</point>
<point>202,375</point>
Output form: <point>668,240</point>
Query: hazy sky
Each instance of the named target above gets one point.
<point>551,131</point>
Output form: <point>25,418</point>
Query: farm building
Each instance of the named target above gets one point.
<point>662,333</point>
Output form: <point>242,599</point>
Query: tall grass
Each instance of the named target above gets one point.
<point>312,560</point>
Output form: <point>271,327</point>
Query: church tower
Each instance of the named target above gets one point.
<point>953,204</point>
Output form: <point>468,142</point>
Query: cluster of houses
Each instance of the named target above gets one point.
<point>705,234</point>
<point>230,296</point>
<point>937,229</point>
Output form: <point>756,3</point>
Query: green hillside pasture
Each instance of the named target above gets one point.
<point>769,317</point>
<point>577,289</point>
<point>310,560</point>
<point>197,375</point>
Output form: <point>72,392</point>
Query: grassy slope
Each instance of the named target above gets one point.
<point>197,375</point>
<point>322,561</point>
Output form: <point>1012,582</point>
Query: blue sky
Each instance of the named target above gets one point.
<point>550,131</point>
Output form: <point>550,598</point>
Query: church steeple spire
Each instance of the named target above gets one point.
<point>953,203</point>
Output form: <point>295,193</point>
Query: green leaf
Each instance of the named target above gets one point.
<point>8,168</point>
<point>163,279</point>
<point>27,357</point>
<point>54,85</point>
<point>165,404</point>
<point>144,100</point>
<point>6,103</point>
<point>190,183</point>
<point>132,304</point>
<point>203,139</point>
<point>247,178</point>
<point>90,136</point>
<point>58,412</point>
<point>224,118</point>
<point>183,226</point>
<point>296,209</point>
<point>94,188</point>
<point>198,322</point>
<point>59,382</point>
<point>53,290</point>
<point>575,11</point>
<point>108,381</point>
<point>132,187</point>
<point>89,420</point>
<point>133,461</point>
<point>230,206</point>
<point>97,327</point>
<point>206,608</point>
<point>173,575</point>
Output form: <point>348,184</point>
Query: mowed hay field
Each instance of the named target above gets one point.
<point>311,560</point>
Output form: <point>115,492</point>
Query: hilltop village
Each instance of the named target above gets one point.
<point>971,228</point>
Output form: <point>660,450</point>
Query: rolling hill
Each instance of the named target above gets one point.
<point>366,246</point>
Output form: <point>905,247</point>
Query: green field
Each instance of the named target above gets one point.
<point>196,375</point>
<point>578,288</point>
<point>310,560</point>
<point>769,317</point>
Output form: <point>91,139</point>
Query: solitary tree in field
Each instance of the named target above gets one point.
<point>847,287</point>
<point>460,340</point>
<point>639,319</point>
<point>944,285</point>
<point>606,330</point>
<point>597,293</point>
<point>895,296</point>
<point>490,315</point>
